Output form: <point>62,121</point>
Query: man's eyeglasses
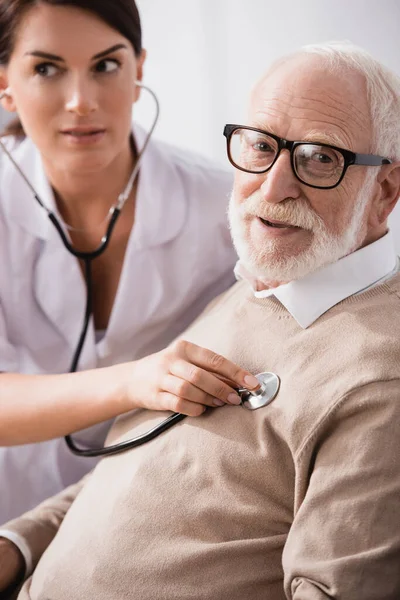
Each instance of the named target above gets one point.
<point>317,165</point>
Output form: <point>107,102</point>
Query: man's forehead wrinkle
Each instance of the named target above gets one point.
<point>346,139</point>
<point>340,110</point>
<point>338,99</point>
<point>327,112</point>
<point>260,118</point>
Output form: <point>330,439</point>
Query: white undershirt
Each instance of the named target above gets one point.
<point>99,334</point>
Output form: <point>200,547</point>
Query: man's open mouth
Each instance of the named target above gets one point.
<point>277,224</point>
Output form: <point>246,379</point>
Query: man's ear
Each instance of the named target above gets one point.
<point>389,183</point>
<point>139,75</point>
<point>7,101</point>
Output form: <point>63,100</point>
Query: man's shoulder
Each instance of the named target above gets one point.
<point>357,342</point>
<point>377,306</point>
<point>393,285</point>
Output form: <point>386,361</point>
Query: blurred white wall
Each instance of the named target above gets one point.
<point>204,55</point>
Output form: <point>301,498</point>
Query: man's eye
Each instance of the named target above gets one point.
<point>322,158</point>
<point>262,147</point>
<point>46,69</point>
<point>107,65</point>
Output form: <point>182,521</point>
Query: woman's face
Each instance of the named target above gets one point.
<point>71,80</point>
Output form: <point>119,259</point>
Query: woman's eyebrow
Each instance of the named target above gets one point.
<point>48,56</point>
<point>109,50</point>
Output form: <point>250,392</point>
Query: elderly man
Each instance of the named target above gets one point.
<point>299,499</point>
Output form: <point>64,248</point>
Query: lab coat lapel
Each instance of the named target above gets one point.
<point>155,224</point>
<point>61,292</point>
<point>57,280</point>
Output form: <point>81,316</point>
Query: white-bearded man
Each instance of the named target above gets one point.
<point>299,499</point>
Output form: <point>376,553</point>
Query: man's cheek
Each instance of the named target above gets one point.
<point>245,185</point>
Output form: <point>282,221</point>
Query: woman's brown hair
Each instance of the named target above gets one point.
<point>121,15</point>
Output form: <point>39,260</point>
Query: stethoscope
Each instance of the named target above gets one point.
<point>251,400</point>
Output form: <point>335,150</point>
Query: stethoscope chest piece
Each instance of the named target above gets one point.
<point>269,387</point>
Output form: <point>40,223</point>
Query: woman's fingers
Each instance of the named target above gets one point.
<point>192,378</point>
<point>180,405</point>
<point>212,362</point>
<point>182,388</point>
<point>186,378</point>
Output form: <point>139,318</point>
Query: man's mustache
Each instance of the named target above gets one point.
<point>295,213</point>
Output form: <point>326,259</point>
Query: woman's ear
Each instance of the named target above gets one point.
<point>139,74</point>
<point>7,101</point>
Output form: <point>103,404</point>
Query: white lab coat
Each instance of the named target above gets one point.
<point>178,258</point>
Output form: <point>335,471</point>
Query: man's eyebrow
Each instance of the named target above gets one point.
<point>48,56</point>
<point>324,138</point>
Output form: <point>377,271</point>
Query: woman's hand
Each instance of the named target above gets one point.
<point>185,378</point>
<point>11,565</point>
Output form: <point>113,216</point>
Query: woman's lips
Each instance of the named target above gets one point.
<point>84,136</point>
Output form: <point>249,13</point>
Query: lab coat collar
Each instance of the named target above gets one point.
<point>310,297</point>
<point>18,199</point>
<point>155,223</point>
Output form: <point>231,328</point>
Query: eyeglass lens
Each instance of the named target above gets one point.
<point>314,164</point>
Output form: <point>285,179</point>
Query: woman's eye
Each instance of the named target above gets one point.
<point>46,69</point>
<point>107,65</point>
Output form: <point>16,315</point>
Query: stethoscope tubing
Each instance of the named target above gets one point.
<point>132,443</point>
<point>105,240</point>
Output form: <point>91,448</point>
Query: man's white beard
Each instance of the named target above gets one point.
<point>269,263</point>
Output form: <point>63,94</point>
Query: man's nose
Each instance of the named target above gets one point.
<point>280,182</point>
<point>81,97</point>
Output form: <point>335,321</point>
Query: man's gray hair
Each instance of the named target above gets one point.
<point>383,89</point>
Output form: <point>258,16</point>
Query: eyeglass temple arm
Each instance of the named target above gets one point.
<point>371,160</point>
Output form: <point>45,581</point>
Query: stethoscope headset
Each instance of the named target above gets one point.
<point>252,400</point>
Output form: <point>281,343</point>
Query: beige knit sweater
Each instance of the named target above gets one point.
<point>300,499</point>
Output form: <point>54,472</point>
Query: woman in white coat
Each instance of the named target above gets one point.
<point>68,68</point>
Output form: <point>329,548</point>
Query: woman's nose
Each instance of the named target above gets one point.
<point>81,98</point>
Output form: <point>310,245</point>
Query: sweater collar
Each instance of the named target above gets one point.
<point>310,297</point>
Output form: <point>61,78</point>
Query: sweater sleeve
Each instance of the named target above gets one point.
<point>345,538</point>
<point>37,528</point>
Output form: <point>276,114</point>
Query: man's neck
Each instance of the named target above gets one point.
<point>267,285</point>
<point>258,282</point>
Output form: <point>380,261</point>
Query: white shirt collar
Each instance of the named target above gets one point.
<point>310,297</point>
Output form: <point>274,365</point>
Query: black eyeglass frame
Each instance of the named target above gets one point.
<point>350,158</point>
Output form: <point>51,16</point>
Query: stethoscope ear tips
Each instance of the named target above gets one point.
<point>6,92</point>
<point>269,388</point>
